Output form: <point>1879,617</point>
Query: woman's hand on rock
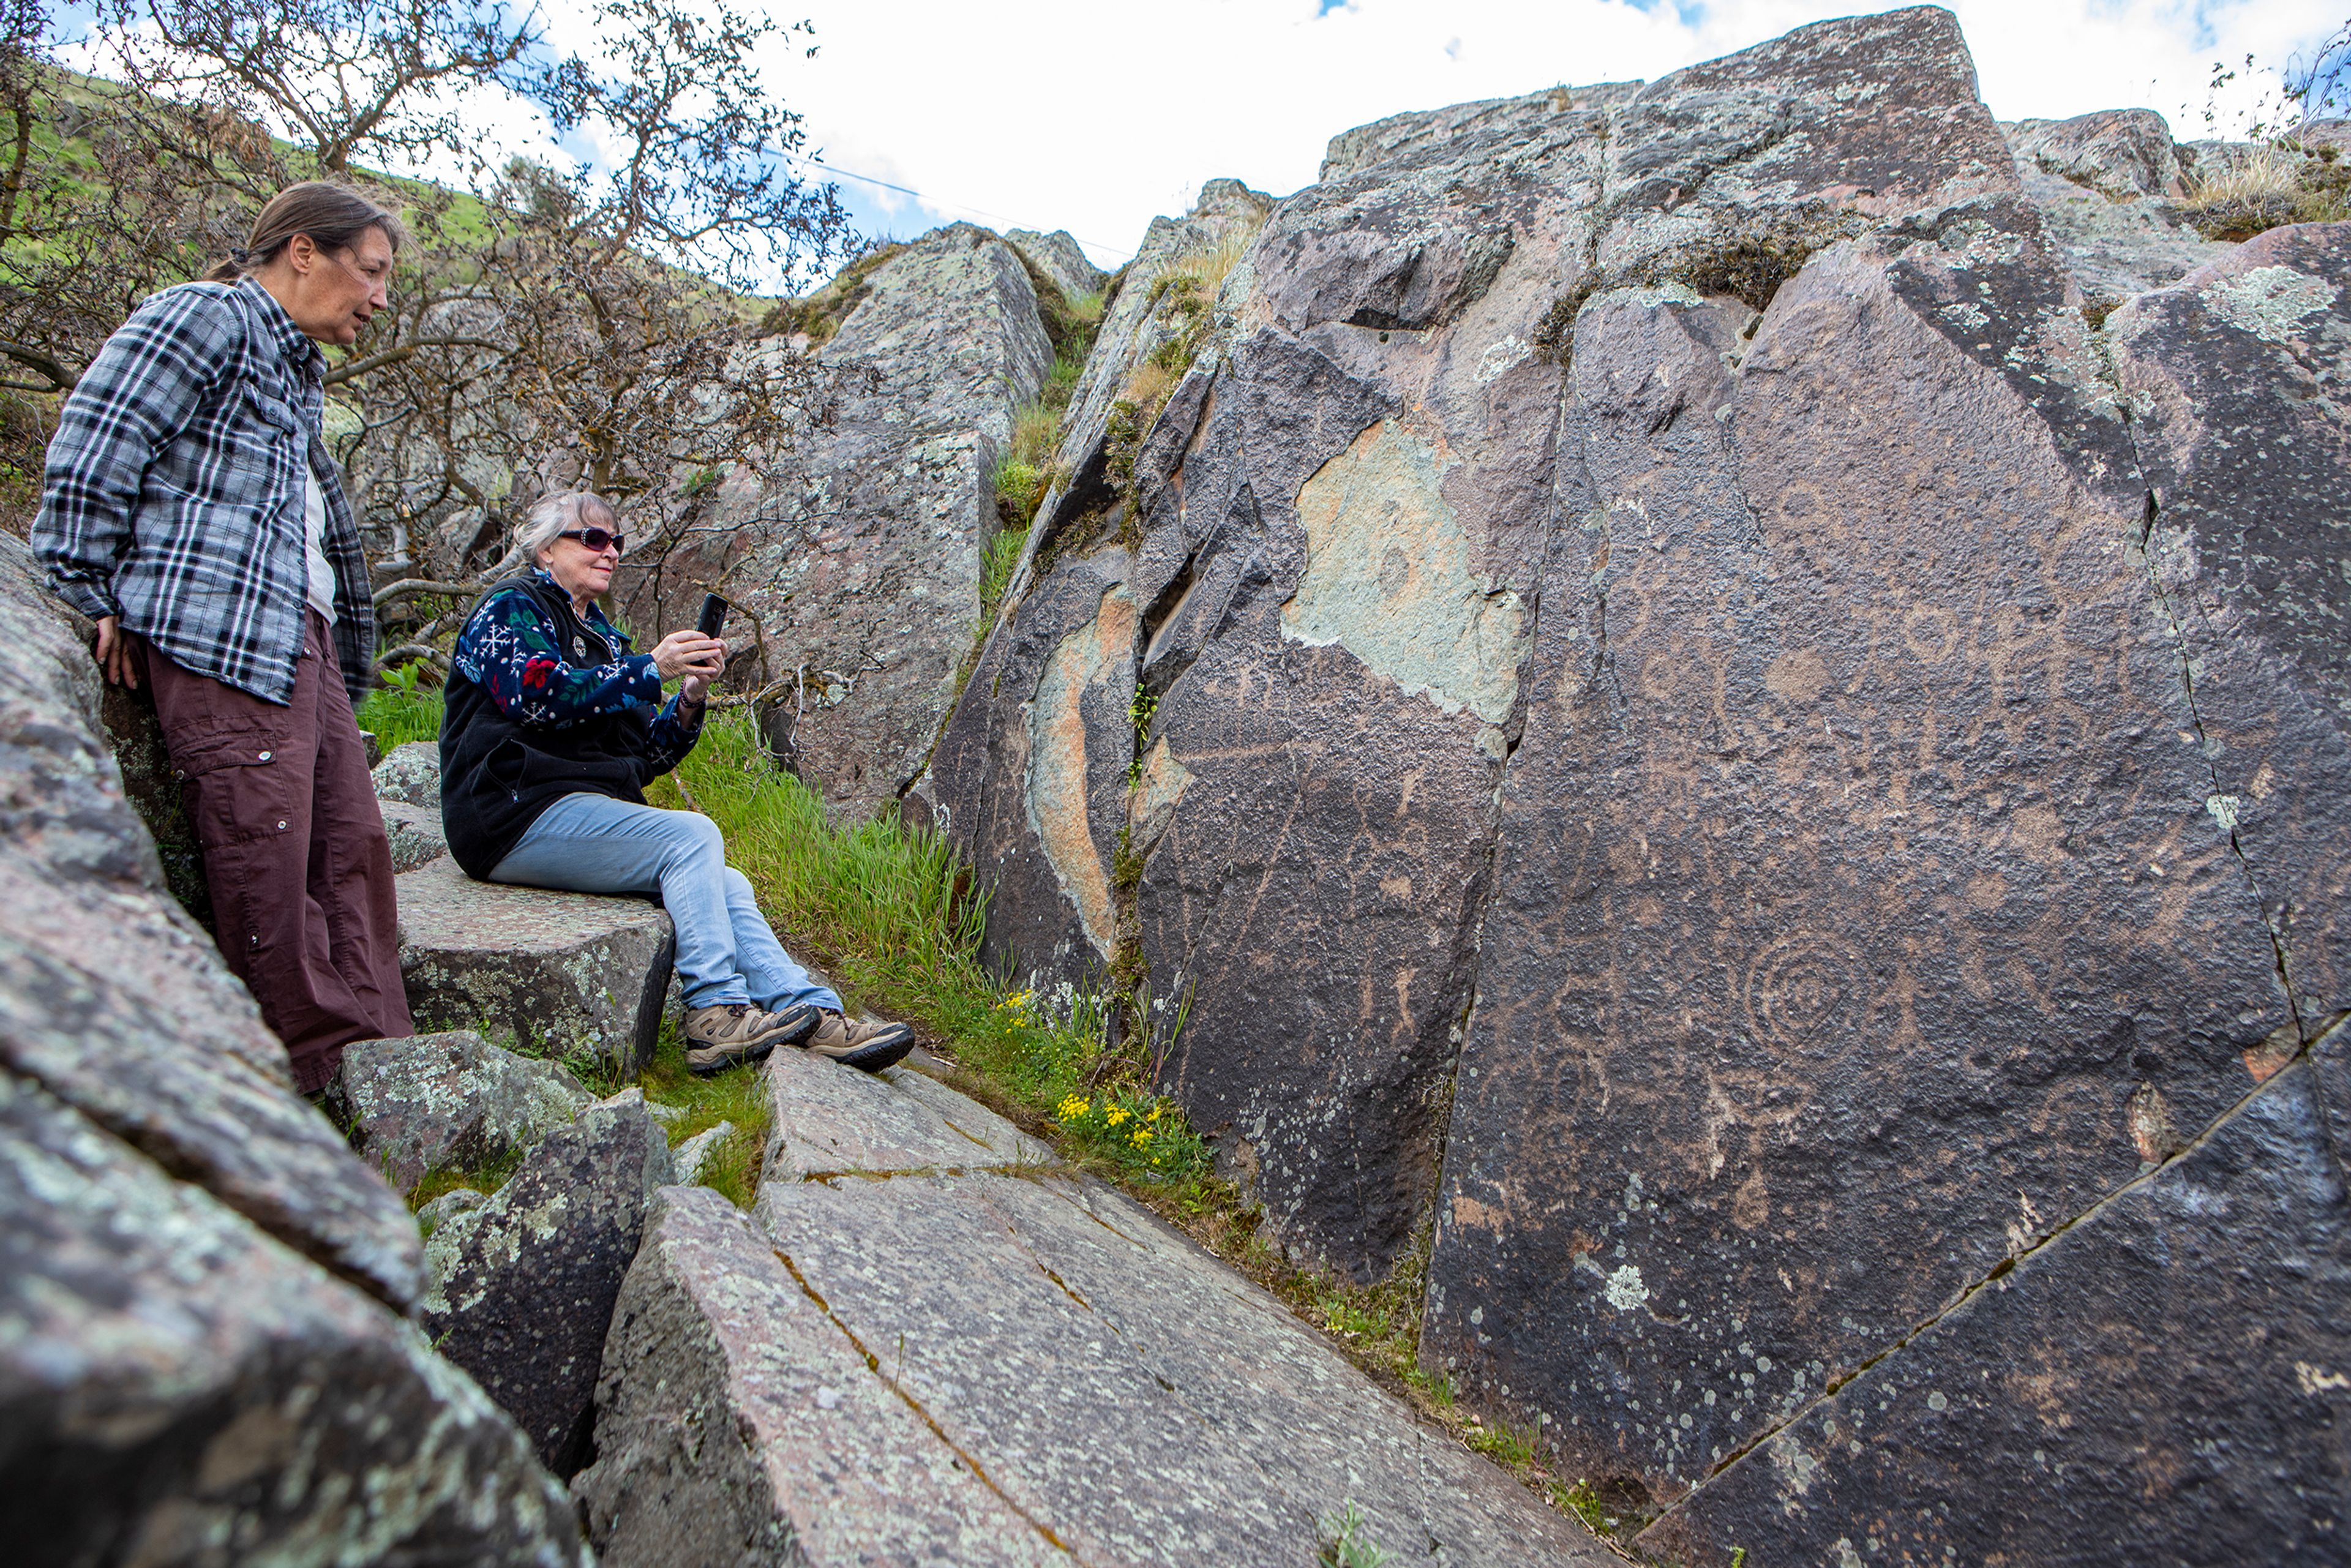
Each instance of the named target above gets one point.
<point>682,654</point>
<point>113,652</point>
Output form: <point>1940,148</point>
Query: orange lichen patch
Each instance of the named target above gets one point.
<point>1085,662</point>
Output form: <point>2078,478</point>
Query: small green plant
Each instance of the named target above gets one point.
<point>1344,1543</point>
<point>402,710</point>
<point>486,1179</point>
<point>1505,1442</point>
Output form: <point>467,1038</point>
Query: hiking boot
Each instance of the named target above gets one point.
<point>717,1037</point>
<point>869,1043</point>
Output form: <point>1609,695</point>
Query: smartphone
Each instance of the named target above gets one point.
<point>714,615</point>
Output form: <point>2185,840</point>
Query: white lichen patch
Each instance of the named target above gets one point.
<point>1624,1289</point>
<point>2223,809</point>
<point>1499,357</point>
<point>1389,578</point>
<point>2268,301</point>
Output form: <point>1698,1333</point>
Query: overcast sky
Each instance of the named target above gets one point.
<point>1093,117</point>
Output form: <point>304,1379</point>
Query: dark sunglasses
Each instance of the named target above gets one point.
<point>596,539</point>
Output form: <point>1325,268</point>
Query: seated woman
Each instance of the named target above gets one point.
<point>552,729</point>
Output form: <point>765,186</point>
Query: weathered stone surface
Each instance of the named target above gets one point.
<point>2169,1381</point>
<point>1858,917</point>
<point>1060,257</point>
<point>1117,1387</point>
<point>690,1159</point>
<point>2234,379</point>
<point>448,1102</point>
<point>414,833</point>
<point>522,1287</point>
<point>738,1423</point>
<point>552,974</point>
<point>410,775</point>
<point>2104,183</point>
<point>115,1001</point>
<point>863,564</point>
<point>830,1119</point>
<point>1343,508</point>
<point>176,1386</point>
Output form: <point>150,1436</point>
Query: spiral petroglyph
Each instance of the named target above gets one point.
<point>1800,986</point>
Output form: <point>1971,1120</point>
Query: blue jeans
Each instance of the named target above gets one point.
<point>725,953</point>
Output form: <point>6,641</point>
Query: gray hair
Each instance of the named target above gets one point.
<point>560,513</point>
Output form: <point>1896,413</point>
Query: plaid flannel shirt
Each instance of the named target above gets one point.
<point>174,491</point>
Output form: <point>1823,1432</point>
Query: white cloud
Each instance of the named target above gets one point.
<point>1056,114</point>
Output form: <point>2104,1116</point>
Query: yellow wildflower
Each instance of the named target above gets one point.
<point>1117,1114</point>
<point>1072,1107</point>
<point>1142,1136</point>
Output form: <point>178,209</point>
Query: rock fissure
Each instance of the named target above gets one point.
<point>2219,803</point>
<point>895,1386</point>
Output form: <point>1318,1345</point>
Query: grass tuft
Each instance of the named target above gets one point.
<point>2266,188</point>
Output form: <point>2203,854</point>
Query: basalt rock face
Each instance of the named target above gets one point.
<point>860,568</point>
<point>1715,658</point>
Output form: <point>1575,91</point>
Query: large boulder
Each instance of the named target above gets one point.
<point>1681,639</point>
<point>550,974</point>
<point>115,1001</point>
<point>173,1381</point>
<point>1859,919</point>
<point>522,1286</point>
<point>200,1331</point>
<point>1241,732</point>
<point>859,570</point>
<point>448,1102</point>
<point>1060,257</point>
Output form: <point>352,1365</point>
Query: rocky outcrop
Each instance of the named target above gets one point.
<point>859,570</point>
<point>1059,256</point>
<point>200,1331</point>
<point>171,1380</point>
<point>448,1102</point>
<point>929,1344</point>
<point>522,1286</point>
<point>2105,186</point>
<point>1734,667</point>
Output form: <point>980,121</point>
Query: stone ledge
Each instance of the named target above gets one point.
<point>549,974</point>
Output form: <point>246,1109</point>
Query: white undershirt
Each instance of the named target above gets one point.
<point>314,533</point>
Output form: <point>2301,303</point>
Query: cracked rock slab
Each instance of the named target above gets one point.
<point>829,1118</point>
<point>737,1424</point>
<point>177,1387</point>
<point>2167,1381</point>
<point>449,1101</point>
<point>1124,1391</point>
<point>521,1286</point>
<point>552,974</point>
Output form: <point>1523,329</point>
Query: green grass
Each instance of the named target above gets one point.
<point>396,717</point>
<point>891,916</point>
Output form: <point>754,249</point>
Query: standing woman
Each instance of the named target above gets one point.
<point>190,508</point>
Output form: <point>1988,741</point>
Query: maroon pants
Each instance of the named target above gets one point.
<point>294,851</point>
